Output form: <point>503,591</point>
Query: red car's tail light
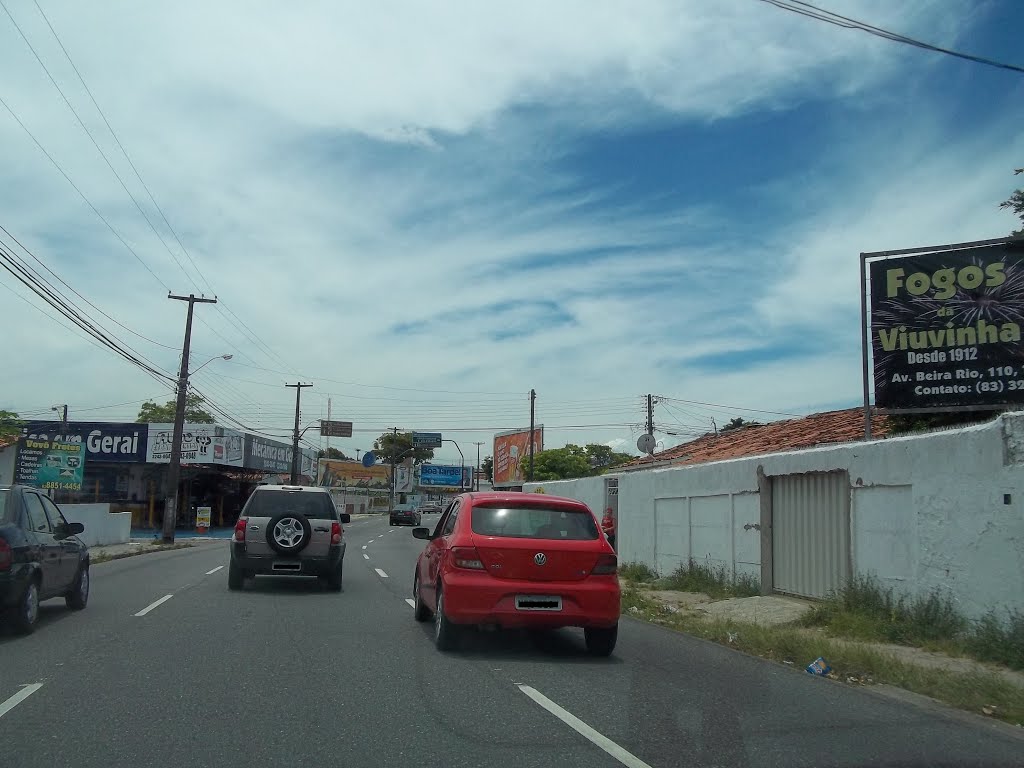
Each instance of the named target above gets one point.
<point>606,565</point>
<point>6,555</point>
<point>335,532</point>
<point>240,529</point>
<point>467,557</point>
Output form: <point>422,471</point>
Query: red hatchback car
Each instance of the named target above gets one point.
<point>518,560</point>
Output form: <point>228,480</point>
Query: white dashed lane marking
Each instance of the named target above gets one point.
<point>154,604</point>
<point>381,573</point>
<point>214,570</point>
<point>365,556</point>
<point>411,602</point>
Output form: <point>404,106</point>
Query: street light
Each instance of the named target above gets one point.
<point>215,357</point>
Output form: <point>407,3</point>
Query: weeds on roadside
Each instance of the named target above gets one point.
<point>719,582</point>
<point>638,572</point>
<point>993,639</point>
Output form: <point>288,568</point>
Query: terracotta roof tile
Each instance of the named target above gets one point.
<point>790,435</point>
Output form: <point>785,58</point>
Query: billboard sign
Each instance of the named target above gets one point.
<point>200,444</point>
<point>339,474</point>
<point>441,475</point>
<point>121,443</point>
<point>50,464</point>
<point>946,328</point>
<point>512,454</point>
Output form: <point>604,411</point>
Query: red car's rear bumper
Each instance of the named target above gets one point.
<point>479,598</point>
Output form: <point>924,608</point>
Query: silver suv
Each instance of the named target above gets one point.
<point>288,530</point>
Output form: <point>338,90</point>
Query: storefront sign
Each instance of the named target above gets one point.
<point>200,444</point>
<point>267,455</point>
<point>50,464</point>
<point>103,441</point>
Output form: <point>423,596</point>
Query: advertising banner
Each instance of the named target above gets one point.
<point>200,444</point>
<point>268,455</point>
<point>441,475</point>
<point>512,454</point>
<point>946,328</point>
<point>103,441</point>
<point>338,473</point>
<point>50,464</point>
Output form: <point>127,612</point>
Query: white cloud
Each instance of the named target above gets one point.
<point>346,168</point>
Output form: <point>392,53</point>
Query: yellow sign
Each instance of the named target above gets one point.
<point>203,515</point>
<point>539,489</point>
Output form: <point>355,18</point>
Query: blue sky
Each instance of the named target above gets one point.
<point>427,214</point>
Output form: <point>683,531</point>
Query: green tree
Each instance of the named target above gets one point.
<point>487,466</point>
<point>151,413</point>
<point>738,423</point>
<point>333,453</point>
<point>10,424</point>
<point>603,458</point>
<point>399,447</point>
<point>1015,203</point>
<point>561,463</point>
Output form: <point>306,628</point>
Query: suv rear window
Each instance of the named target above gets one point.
<point>534,523</point>
<point>267,503</point>
<point>5,508</point>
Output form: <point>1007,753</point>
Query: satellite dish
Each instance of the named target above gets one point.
<point>369,459</point>
<point>646,443</point>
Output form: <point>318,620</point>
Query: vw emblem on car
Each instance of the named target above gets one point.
<point>540,558</point>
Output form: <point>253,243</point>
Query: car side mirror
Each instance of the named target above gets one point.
<point>421,533</point>
<point>73,529</point>
<point>346,517</point>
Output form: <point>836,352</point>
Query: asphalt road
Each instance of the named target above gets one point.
<point>289,674</point>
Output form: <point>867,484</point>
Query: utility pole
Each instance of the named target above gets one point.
<point>328,418</point>
<point>174,468</point>
<point>476,474</point>
<point>64,416</point>
<point>295,436</point>
<point>394,449</point>
<point>650,414</point>
<point>533,401</point>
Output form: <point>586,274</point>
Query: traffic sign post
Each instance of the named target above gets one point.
<point>335,428</point>
<point>426,439</point>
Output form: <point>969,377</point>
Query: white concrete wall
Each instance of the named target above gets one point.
<point>926,511</point>
<point>7,464</point>
<point>101,525</point>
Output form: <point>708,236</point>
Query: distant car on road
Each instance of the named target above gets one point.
<point>288,530</point>
<point>518,560</point>
<point>405,515</point>
<point>41,557</point>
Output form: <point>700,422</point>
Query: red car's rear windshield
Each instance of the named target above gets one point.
<point>534,522</point>
<point>267,503</point>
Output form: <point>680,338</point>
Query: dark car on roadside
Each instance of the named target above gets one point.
<point>41,557</point>
<point>405,516</point>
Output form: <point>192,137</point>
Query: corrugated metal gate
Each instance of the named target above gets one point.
<point>810,532</point>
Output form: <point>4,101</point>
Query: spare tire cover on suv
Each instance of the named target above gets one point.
<point>289,533</point>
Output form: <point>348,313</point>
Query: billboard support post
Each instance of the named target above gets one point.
<point>864,343</point>
<point>463,460</point>
<point>533,401</point>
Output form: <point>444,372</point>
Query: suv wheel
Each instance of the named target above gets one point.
<point>334,579</point>
<point>289,533</point>
<point>26,613</point>
<point>236,578</point>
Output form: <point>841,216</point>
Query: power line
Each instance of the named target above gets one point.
<point>829,17</point>
<point>719,406</point>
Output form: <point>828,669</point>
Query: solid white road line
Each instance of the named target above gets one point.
<point>154,604</point>
<point>19,697</point>
<point>411,602</point>
<point>609,746</point>
<point>365,556</point>
<point>214,570</point>
<point>381,573</point>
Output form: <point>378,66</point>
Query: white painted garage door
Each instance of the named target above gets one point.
<point>810,532</point>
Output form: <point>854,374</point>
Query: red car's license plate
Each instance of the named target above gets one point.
<point>538,603</point>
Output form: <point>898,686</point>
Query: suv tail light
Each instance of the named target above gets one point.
<point>240,529</point>
<point>335,532</point>
<point>6,555</point>
<point>606,565</point>
<point>467,557</point>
